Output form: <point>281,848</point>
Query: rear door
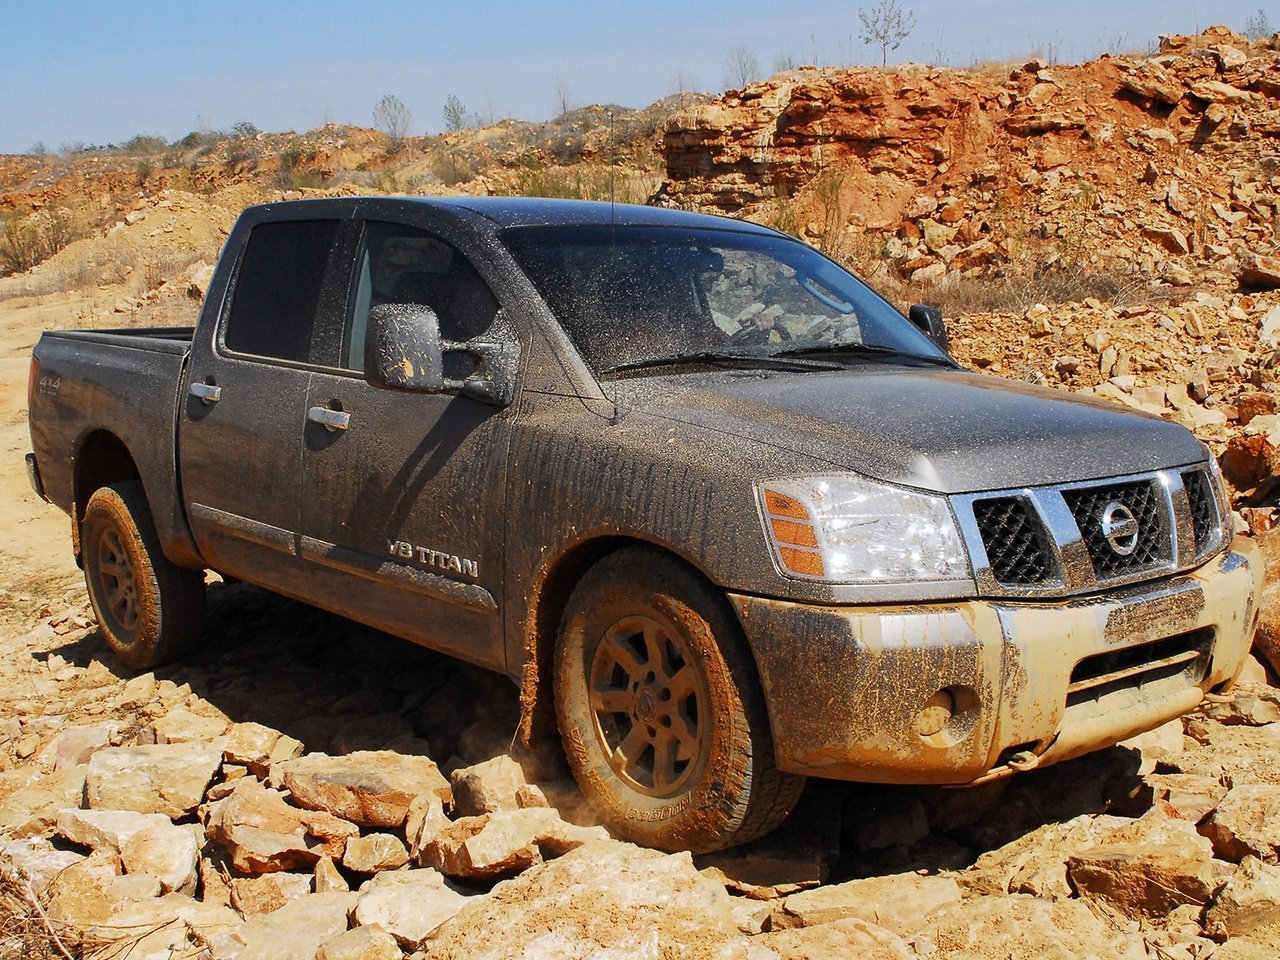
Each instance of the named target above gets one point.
<point>243,418</point>
<point>403,493</point>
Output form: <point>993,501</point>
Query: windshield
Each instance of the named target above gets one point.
<point>630,295</point>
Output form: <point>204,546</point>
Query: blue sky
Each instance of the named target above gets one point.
<point>97,72</point>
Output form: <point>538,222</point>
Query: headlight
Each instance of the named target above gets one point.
<point>843,528</point>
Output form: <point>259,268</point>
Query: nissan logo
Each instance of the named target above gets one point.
<point>1120,527</point>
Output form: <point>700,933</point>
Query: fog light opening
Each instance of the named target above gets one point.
<point>936,714</point>
<point>948,716</point>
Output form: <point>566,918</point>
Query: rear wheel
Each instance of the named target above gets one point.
<point>150,610</point>
<point>660,710</point>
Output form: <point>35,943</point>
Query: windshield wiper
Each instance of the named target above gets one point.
<point>717,358</point>
<point>861,349</point>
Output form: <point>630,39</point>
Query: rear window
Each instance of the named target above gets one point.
<point>277,290</point>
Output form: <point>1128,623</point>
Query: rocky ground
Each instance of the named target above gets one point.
<point>303,787</point>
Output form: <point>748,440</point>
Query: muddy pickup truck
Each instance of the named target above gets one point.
<point>723,514</point>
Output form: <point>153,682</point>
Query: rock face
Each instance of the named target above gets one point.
<point>165,778</point>
<point>900,904</point>
<point>371,788</point>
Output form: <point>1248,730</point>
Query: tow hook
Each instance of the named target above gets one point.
<point>1023,761</point>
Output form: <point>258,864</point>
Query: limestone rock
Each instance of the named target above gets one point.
<point>183,726</point>
<point>33,810</point>
<point>361,943</point>
<point>105,831</point>
<point>836,940</point>
<point>556,909</point>
<point>371,788</point>
<point>76,745</point>
<point>162,778</point>
<point>293,932</point>
<point>504,842</point>
<point>426,818</point>
<point>168,852</point>
<point>253,896</point>
<point>262,833</point>
<point>327,878</point>
<point>408,904</point>
<point>1249,900</point>
<point>162,929</point>
<point>36,859</point>
<point>486,787</point>
<point>1260,272</point>
<point>1246,823</point>
<point>1144,880</point>
<point>899,903</point>
<point>374,852</point>
<point>257,747</point>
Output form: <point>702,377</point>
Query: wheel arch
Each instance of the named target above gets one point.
<point>101,459</point>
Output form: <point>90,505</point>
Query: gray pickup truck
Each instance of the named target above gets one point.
<point>717,508</point>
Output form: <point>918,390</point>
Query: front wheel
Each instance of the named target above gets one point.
<point>660,709</point>
<point>150,610</point>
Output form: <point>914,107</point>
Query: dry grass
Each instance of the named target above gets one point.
<point>25,930</point>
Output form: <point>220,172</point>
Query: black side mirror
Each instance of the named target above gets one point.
<point>928,320</point>
<point>403,351</point>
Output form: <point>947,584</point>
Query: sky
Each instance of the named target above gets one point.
<point>96,73</point>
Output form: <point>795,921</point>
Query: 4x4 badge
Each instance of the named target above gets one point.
<point>1120,527</point>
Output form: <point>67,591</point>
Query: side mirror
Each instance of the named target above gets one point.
<point>928,320</point>
<point>403,351</point>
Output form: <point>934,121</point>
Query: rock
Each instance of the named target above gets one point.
<point>371,788</point>
<point>168,852</point>
<point>293,932</point>
<point>327,879</point>
<point>1260,272</point>
<point>257,747</point>
<point>374,852</point>
<point>1248,901</point>
<point>76,745</point>
<point>899,903</point>
<point>1246,823</point>
<point>201,277</point>
<point>162,929</point>
<point>504,842</point>
<point>86,894</point>
<point>183,726</point>
<point>486,787</point>
<point>426,818</point>
<point>1145,880</point>
<point>1251,706</point>
<point>254,896</point>
<point>36,859</point>
<point>1163,741</point>
<point>1171,238</point>
<point>105,831</point>
<point>408,904</point>
<point>262,833</point>
<point>901,826</point>
<point>558,909</point>
<point>362,943</point>
<point>837,940</point>
<point>164,778</point>
<point>33,810</point>
<point>1192,796</point>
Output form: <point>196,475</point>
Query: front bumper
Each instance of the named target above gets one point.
<point>959,693</point>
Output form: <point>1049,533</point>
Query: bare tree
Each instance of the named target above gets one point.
<point>740,66</point>
<point>564,96</point>
<point>455,114</point>
<point>393,118</point>
<point>886,25</point>
<point>1258,26</point>
<point>786,61</point>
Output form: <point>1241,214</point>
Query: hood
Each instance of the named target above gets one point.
<point>951,431</point>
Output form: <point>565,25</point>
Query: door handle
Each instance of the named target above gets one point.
<point>205,392</point>
<point>329,419</point>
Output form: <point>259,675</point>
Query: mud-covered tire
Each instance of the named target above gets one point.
<point>660,709</point>
<point>149,609</point>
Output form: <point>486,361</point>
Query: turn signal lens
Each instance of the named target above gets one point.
<point>793,534</point>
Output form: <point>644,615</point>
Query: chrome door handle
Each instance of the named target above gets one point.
<point>329,419</point>
<point>206,392</point>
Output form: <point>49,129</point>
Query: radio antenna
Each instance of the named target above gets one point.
<point>613,166</point>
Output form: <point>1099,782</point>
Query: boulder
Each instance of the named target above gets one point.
<point>168,852</point>
<point>371,788</point>
<point>183,726</point>
<point>105,831</point>
<point>504,842</point>
<point>86,894</point>
<point>426,818</point>
<point>161,929</point>
<point>1246,823</point>
<point>262,833</point>
<point>1260,272</point>
<point>1248,901</point>
<point>899,903</point>
<point>1144,881</point>
<point>492,785</point>
<point>327,878</point>
<point>76,745</point>
<point>408,904</point>
<point>32,810</point>
<point>254,896</point>
<point>362,943</point>
<point>375,852</point>
<point>837,940</point>
<point>293,932</point>
<point>162,778</point>
<point>604,899</point>
<point>257,747</point>
<point>36,860</point>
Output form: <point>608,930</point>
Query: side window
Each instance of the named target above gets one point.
<point>278,289</point>
<point>403,264</point>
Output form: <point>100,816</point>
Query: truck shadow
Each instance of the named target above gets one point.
<point>340,687</point>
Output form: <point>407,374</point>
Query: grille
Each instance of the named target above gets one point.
<point>1145,501</point>
<point>1204,511</point>
<point>1016,545</point>
<point>1103,673</point>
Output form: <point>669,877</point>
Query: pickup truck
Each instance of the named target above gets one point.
<point>726,517</point>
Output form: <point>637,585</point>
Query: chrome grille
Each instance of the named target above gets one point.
<point>1204,509</point>
<point>1014,538</point>
<point>1145,501</point>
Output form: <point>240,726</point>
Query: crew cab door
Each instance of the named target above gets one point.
<point>243,418</point>
<point>403,492</point>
